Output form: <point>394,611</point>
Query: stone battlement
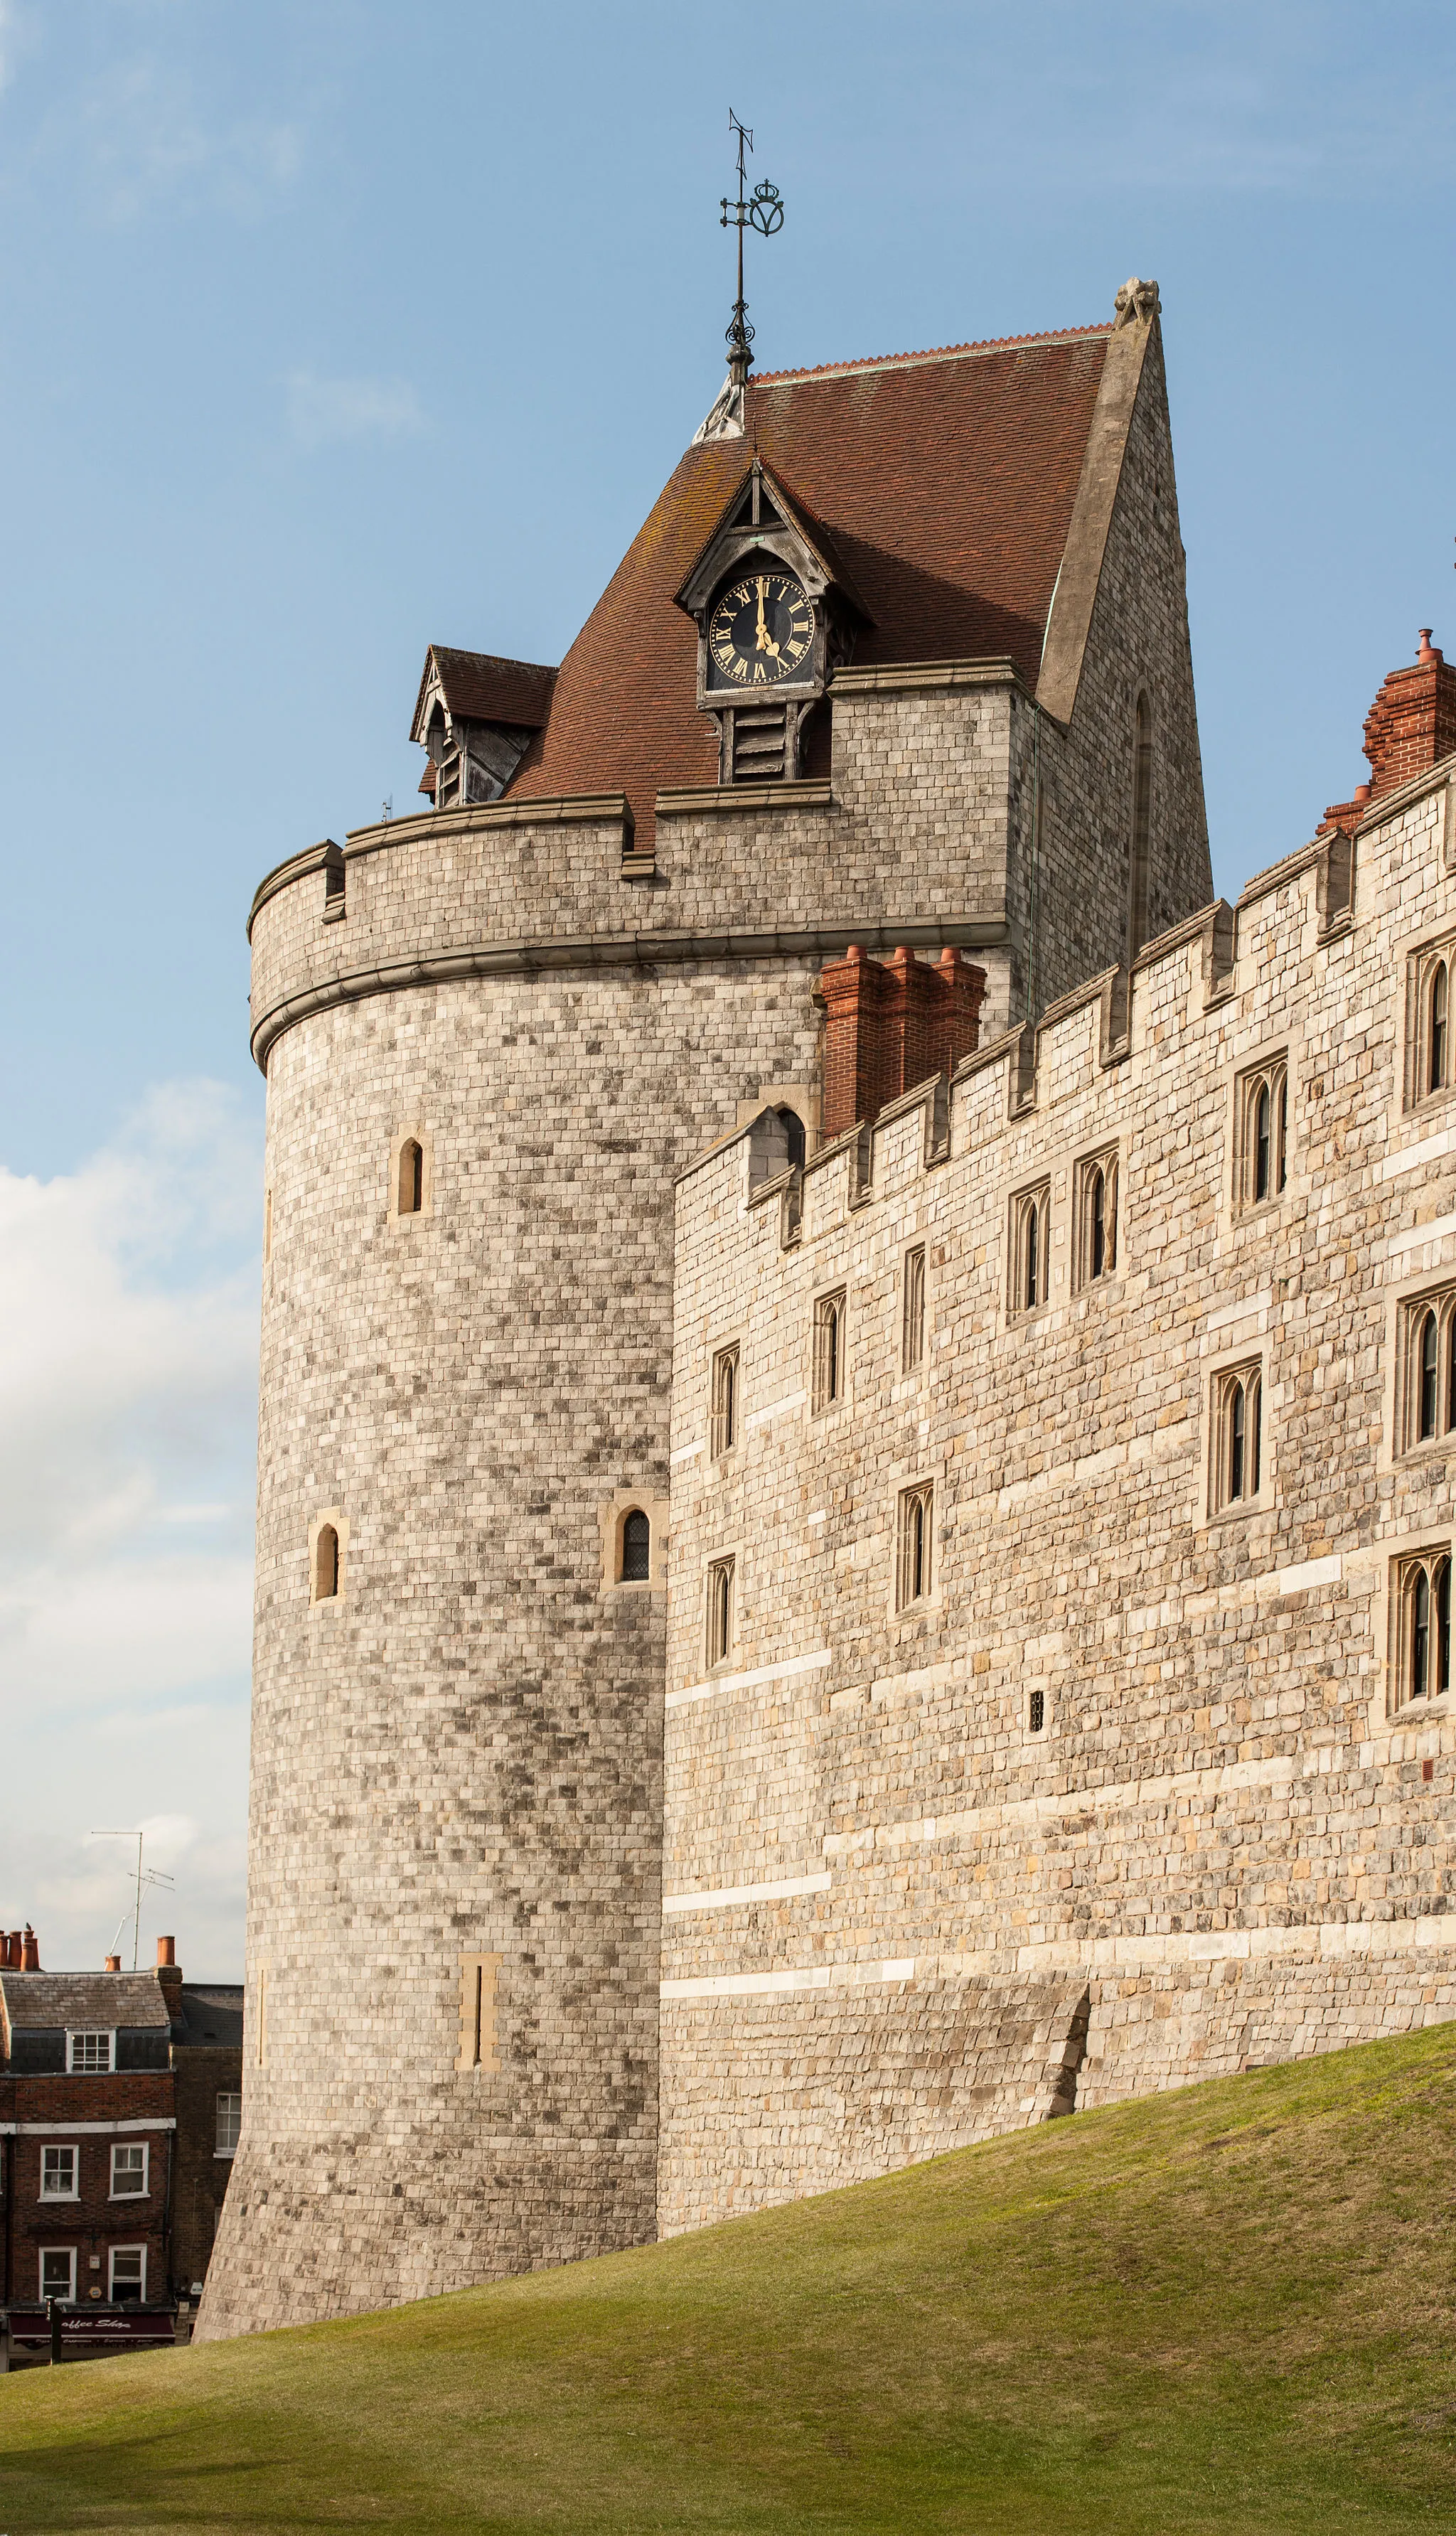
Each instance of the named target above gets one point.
<point>1076,1624</point>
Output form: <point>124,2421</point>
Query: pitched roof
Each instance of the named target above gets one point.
<point>50,2002</point>
<point>481,686</point>
<point>945,481</point>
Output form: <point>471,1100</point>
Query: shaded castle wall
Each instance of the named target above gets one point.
<point>1222,1846</point>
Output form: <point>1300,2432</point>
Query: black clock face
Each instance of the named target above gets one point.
<point>760,632</point>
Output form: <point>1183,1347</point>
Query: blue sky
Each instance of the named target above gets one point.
<point>329,328</point>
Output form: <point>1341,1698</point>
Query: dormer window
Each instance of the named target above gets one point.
<point>476,715</point>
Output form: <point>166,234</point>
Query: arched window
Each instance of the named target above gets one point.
<point>1028,1249</point>
<point>1263,1142</point>
<point>1428,1348</point>
<point>1261,1133</point>
<point>829,1350</point>
<point>636,1567</point>
<point>326,1563</point>
<point>1424,1651</point>
<point>1096,1225</point>
<point>912,1566</point>
<point>720,1610</point>
<point>793,1129</point>
<point>411,1176</point>
<point>1142,814</point>
<point>1437,1034</point>
<point>1239,1439</point>
<point>1420,1595</point>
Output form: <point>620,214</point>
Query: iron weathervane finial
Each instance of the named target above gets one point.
<point>762,209</point>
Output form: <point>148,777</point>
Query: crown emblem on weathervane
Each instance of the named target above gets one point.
<point>762,209</point>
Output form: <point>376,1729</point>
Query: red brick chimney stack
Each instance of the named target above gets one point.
<point>1410,727</point>
<point>890,1024</point>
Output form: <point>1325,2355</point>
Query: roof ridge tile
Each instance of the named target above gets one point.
<point>934,353</point>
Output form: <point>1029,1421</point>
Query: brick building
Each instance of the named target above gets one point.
<point>119,2109</point>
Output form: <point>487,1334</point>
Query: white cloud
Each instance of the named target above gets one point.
<point>137,134</point>
<point>321,410</point>
<point>128,1349</point>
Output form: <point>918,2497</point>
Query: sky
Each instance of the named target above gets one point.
<point>331,328</point>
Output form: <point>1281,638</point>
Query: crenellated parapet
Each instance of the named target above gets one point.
<point>1087,1535</point>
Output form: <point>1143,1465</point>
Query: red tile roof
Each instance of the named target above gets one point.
<point>946,482</point>
<point>481,686</point>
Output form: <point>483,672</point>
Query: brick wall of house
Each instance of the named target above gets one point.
<point>96,2221</point>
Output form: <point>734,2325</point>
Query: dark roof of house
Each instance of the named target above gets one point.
<point>945,481</point>
<point>211,2012</point>
<point>478,686</point>
<point>74,2001</point>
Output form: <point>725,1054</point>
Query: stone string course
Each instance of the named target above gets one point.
<point>1229,1843</point>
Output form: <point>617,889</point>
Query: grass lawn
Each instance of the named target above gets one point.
<point>1226,2309</point>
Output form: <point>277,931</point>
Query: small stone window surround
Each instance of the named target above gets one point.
<point>91,2053</point>
<point>267,1226</point>
<point>1425,1372</point>
<point>230,2122</point>
<point>1028,1250</point>
<point>127,2274</point>
<point>1094,1219</point>
<point>1037,1713</point>
<point>1420,1626</point>
<point>58,2273</point>
<point>725,1413</point>
<point>1261,1134</point>
<point>1238,1455</point>
<point>831,1335</point>
<point>60,2173</point>
<point>260,2017</point>
<point>621,1543</point>
<point>478,2042</point>
<point>915,1555</point>
<point>1431,1017</point>
<point>130,2170</point>
<point>720,1611</point>
<point>328,1543</point>
<point>412,1179</point>
<point>912,1308</point>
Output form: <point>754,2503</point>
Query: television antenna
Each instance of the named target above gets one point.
<point>762,209</point>
<point>146,1877</point>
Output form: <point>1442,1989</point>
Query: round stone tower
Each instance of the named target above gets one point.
<point>492,1034</point>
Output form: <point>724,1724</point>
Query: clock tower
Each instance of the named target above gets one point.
<point>776,617</point>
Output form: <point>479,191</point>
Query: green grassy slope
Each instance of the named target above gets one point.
<point>1226,2309</point>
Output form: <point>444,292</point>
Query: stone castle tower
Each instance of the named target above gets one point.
<point>899,662</point>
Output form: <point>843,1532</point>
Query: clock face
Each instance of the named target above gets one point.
<point>761,631</point>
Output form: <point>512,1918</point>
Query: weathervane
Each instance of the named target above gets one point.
<point>762,209</point>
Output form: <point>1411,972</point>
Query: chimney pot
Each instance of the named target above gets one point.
<point>29,1950</point>
<point>166,1951</point>
<point>1426,651</point>
<point>113,1963</point>
<point>10,1950</point>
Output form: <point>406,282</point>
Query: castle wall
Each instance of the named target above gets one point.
<point>455,1770</point>
<point>460,1756</point>
<point>1228,1841</point>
